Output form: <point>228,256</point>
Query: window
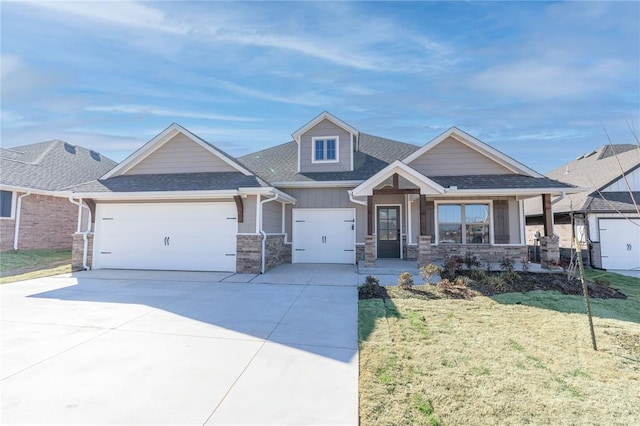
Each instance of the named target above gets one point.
<point>463,223</point>
<point>6,198</point>
<point>325,150</point>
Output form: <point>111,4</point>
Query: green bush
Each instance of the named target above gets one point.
<point>370,289</point>
<point>511,277</point>
<point>477,274</point>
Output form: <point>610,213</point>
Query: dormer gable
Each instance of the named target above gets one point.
<point>456,152</point>
<point>325,144</point>
<point>177,150</point>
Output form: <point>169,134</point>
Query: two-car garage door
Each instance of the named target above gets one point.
<point>323,236</point>
<point>166,236</point>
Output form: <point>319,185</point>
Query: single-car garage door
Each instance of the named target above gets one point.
<point>323,236</point>
<point>166,236</point>
<point>620,243</point>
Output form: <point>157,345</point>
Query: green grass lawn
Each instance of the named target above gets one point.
<point>25,264</point>
<point>510,359</point>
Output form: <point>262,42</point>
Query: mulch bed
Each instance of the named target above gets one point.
<point>529,282</point>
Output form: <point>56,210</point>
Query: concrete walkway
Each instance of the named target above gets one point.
<point>140,347</point>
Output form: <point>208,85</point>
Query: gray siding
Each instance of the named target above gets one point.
<point>317,198</point>
<point>272,217</point>
<point>325,128</point>
<point>249,224</point>
<point>452,157</point>
<point>180,155</point>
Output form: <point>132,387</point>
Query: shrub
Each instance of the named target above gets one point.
<point>525,264</point>
<point>370,289</point>
<point>451,265</point>
<point>405,280</point>
<point>603,281</point>
<point>507,263</point>
<point>429,271</point>
<point>498,283</point>
<point>511,277</point>
<point>477,274</point>
<point>444,284</point>
<point>463,281</point>
<point>470,260</point>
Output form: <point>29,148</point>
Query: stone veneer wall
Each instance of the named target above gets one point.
<point>484,252</point>
<point>78,249</point>
<point>45,223</point>
<point>249,248</point>
<point>549,252</point>
<point>275,251</point>
<point>286,253</point>
<point>370,251</point>
<point>359,253</point>
<point>411,252</point>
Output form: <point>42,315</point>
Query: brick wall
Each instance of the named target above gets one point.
<point>77,251</point>
<point>249,249</point>
<point>411,252</point>
<point>45,223</point>
<point>275,251</point>
<point>286,253</point>
<point>360,253</point>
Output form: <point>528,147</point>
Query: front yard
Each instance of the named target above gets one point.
<point>26,264</point>
<point>514,358</point>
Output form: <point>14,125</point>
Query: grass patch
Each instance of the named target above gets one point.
<point>475,361</point>
<point>26,264</point>
<point>63,269</point>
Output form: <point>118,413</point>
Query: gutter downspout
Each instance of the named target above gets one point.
<point>560,198</point>
<point>85,249</point>
<point>16,231</point>
<point>353,200</point>
<point>264,234</point>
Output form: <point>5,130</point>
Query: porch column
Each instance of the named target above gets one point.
<point>549,252</point>
<point>423,215</point>
<point>370,239</point>
<point>547,214</point>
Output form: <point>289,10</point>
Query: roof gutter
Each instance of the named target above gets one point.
<point>264,234</point>
<point>560,198</point>
<point>16,230</point>
<point>85,239</point>
<point>353,200</point>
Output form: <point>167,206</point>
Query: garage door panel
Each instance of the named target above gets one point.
<point>166,236</point>
<point>619,243</point>
<point>323,236</point>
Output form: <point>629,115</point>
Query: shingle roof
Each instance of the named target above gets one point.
<point>612,201</point>
<point>280,163</point>
<point>595,170</point>
<point>213,181</point>
<point>51,166</point>
<point>498,182</point>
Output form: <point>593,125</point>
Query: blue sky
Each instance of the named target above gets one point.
<point>536,80</point>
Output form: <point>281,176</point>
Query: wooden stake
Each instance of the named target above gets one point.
<point>585,292</point>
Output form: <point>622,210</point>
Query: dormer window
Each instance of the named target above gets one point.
<point>325,149</point>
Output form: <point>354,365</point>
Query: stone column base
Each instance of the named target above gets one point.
<point>549,252</point>
<point>248,254</point>
<point>370,251</point>
<point>77,251</point>
<point>424,250</point>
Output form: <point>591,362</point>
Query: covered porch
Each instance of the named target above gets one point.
<point>426,219</point>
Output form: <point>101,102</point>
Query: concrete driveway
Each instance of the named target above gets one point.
<point>140,347</point>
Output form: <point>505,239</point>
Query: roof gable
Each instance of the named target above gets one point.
<point>493,161</point>
<point>155,152</point>
<point>426,185</point>
<point>323,116</point>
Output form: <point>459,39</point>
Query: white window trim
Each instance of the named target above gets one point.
<point>12,215</point>
<point>463,202</point>
<point>324,138</point>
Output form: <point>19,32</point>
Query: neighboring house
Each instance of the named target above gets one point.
<point>606,215</point>
<point>35,212</point>
<point>332,195</point>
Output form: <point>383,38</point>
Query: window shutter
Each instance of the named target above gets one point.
<point>501,221</point>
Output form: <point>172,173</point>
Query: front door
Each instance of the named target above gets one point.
<point>389,232</point>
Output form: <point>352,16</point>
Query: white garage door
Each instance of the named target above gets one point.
<point>323,236</point>
<point>619,243</point>
<point>166,236</point>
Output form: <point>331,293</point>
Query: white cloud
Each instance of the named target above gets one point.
<point>124,13</point>
<point>305,99</point>
<point>142,109</point>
